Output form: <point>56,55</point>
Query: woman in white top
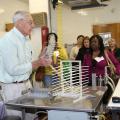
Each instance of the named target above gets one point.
<point>75,49</point>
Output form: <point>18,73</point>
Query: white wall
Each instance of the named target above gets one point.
<point>36,42</point>
<point>37,6</point>
<point>75,24</point>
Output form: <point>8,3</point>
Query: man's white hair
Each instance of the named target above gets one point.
<point>20,15</point>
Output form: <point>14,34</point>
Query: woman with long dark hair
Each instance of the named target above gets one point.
<point>85,49</point>
<point>59,53</point>
<point>97,59</point>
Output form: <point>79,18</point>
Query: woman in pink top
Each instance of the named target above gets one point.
<point>96,60</point>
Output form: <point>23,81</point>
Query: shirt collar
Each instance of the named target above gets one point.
<point>19,34</point>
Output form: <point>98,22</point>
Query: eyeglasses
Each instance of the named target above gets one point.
<point>30,22</point>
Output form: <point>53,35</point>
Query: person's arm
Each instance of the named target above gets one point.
<point>63,53</point>
<point>115,62</point>
<point>41,62</point>
<point>117,54</point>
<point>18,62</point>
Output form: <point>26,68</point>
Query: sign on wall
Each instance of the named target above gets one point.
<point>40,19</point>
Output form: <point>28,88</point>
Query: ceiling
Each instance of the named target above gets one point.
<point>82,4</point>
<point>26,1</point>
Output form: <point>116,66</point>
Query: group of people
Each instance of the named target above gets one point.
<point>16,63</point>
<point>94,54</point>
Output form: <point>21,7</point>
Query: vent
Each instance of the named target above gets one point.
<point>81,4</point>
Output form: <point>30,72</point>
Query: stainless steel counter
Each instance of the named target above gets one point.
<point>36,101</point>
<point>115,107</point>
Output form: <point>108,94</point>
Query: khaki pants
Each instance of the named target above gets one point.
<point>12,91</point>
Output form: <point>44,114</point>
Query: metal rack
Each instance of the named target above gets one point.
<point>70,79</point>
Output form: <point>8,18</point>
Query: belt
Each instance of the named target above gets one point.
<point>21,81</point>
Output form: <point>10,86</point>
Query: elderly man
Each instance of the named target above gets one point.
<point>16,63</point>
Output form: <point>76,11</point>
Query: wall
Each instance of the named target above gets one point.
<point>36,42</point>
<point>37,6</point>
<point>10,6</point>
<point>75,24</point>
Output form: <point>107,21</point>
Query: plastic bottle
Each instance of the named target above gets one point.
<point>94,80</point>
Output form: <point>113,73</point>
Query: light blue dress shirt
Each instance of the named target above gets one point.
<point>15,57</point>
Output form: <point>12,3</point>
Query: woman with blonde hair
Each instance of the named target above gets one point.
<point>114,49</point>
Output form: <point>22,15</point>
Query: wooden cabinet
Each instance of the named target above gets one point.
<point>113,28</point>
<point>8,26</point>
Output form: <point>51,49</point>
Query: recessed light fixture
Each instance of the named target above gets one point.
<point>2,10</point>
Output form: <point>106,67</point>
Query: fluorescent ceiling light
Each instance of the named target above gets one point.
<point>59,1</point>
<point>82,12</point>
